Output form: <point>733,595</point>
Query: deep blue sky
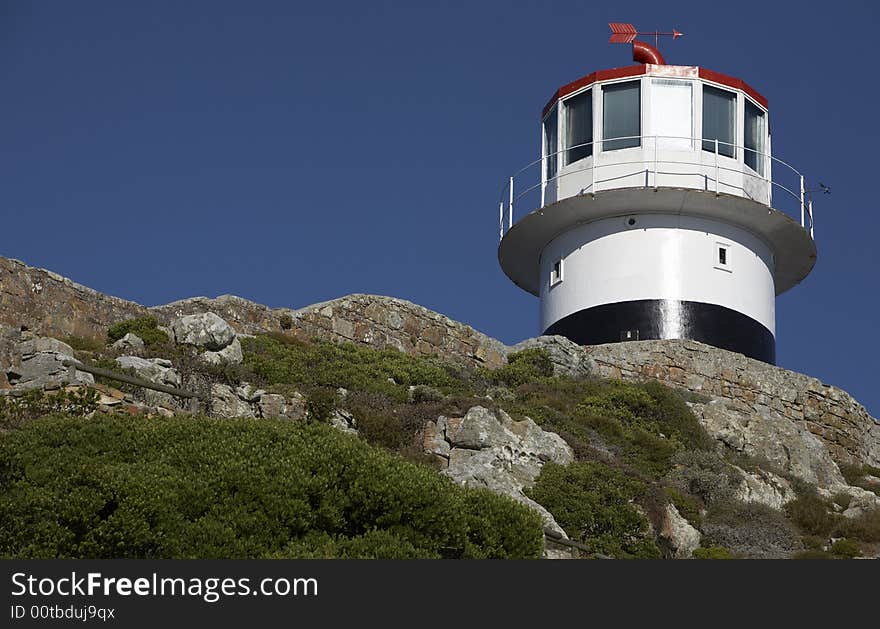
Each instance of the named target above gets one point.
<point>293,152</point>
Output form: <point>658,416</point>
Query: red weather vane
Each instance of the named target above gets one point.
<point>625,33</point>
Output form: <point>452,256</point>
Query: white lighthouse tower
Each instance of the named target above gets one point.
<point>657,212</point>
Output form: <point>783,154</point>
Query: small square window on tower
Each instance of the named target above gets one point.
<point>722,257</point>
<point>556,273</point>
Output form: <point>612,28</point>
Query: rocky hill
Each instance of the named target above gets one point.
<point>738,457</point>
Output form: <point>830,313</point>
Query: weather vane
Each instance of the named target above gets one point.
<point>626,33</point>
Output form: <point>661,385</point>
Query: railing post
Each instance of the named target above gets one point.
<point>802,202</point>
<point>500,220</point>
<point>716,167</point>
<point>655,162</point>
<point>593,170</point>
<point>810,207</point>
<point>510,207</point>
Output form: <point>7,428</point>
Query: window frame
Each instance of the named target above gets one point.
<point>550,157</point>
<point>557,272</point>
<point>764,137</point>
<point>722,145</point>
<point>639,84</point>
<point>586,94</point>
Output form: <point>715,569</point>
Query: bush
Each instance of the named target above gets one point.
<point>118,487</point>
<point>17,409</point>
<point>812,554</point>
<point>865,527</point>
<point>522,367</point>
<point>279,361</point>
<point>713,552</point>
<point>811,513</point>
<point>594,504</point>
<point>144,327</point>
<point>846,548</point>
<point>83,344</point>
<point>687,506</point>
<point>750,530</point>
<point>704,475</point>
<point>650,422</point>
<point>320,403</point>
<point>855,475</point>
<point>285,321</point>
<point>643,424</point>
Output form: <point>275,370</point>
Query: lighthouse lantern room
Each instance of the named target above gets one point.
<point>651,214</point>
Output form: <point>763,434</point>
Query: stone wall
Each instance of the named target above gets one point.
<point>389,322</point>
<point>52,305</point>
<point>754,387</point>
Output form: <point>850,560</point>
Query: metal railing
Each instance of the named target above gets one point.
<point>791,183</point>
<point>74,366</point>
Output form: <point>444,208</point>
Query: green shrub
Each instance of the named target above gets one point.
<point>17,409</point>
<point>285,321</point>
<point>713,552</point>
<point>811,513</point>
<point>144,327</point>
<point>855,475</point>
<point>643,424</point>
<point>320,403</point>
<point>498,528</point>
<point>842,500</point>
<point>84,344</point>
<point>812,554</point>
<point>813,542</point>
<point>705,475</point>
<point>846,548</point>
<point>864,527</point>
<point>686,505</point>
<point>594,504</point>
<point>650,422</point>
<point>522,367</point>
<point>118,487</point>
<point>277,360</point>
<point>750,530</point>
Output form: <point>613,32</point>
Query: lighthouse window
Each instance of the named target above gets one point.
<point>755,130</point>
<point>719,109</point>
<point>551,133</point>
<point>672,114</point>
<point>621,116</point>
<point>579,126</point>
<point>722,257</point>
<point>556,273</point>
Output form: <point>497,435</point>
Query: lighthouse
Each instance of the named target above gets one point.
<point>656,211</point>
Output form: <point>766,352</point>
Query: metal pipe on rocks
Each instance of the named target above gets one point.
<point>121,377</point>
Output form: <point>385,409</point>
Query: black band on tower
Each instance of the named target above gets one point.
<point>643,320</point>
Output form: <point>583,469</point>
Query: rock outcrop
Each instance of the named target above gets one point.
<point>40,365</point>
<point>489,449</point>
<point>678,535</point>
<point>755,401</point>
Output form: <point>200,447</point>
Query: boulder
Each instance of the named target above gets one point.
<point>766,488</point>
<point>226,403</point>
<point>678,535</point>
<point>489,449</point>
<point>204,330</point>
<point>155,370</point>
<point>568,358</point>
<point>766,434</point>
<point>129,343</point>
<point>41,365</point>
<point>344,421</point>
<point>273,405</point>
<point>229,355</point>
